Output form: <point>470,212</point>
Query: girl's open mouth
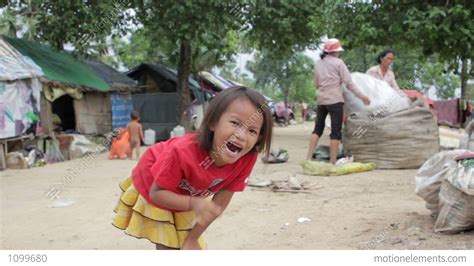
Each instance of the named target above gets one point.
<point>233,148</point>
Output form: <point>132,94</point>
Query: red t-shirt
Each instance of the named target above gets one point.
<point>180,165</point>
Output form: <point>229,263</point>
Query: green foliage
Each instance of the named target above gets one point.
<point>231,72</point>
<point>84,24</point>
<point>200,28</point>
<point>8,25</point>
<point>211,25</point>
<point>204,58</point>
<point>407,61</point>
<point>447,30</point>
<point>13,21</point>
<point>284,27</point>
<point>437,74</point>
<point>443,28</point>
<point>279,29</point>
<point>288,79</point>
<point>140,49</point>
<point>362,23</point>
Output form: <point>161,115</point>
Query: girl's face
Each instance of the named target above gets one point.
<point>236,132</point>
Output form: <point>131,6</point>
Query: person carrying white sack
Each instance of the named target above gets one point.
<point>330,74</point>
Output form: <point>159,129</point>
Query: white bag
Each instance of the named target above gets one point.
<point>431,174</point>
<point>462,178</point>
<point>384,99</point>
<point>447,187</point>
<point>402,140</point>
<point>456,210</point>
<point>467,142</point>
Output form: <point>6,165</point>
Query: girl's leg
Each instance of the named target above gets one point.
<point>163,247</point>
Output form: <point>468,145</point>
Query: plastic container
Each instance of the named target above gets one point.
<point>178,131</point>
<point>150,136</point>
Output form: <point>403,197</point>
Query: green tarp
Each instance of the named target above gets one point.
<point>59,66</point>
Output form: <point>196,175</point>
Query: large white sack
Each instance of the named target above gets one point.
<point>467,142</point>
<point>462,178</point>
<point>81,146</point>
<point>447,187</point>
<point>383,98</point>
<point>456,210</point>
<point>432,173</point>
<point>402,140</point>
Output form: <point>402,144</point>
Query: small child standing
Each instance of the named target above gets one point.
<point>135,132</point>
<point>179,187</point>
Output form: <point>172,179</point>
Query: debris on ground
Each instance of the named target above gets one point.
<point>61,202</point>
<point>328,169</point>
<point>290,185</point>
<point>276,155</point>
<point>303,220</point>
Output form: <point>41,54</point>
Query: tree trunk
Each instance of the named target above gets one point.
<point>57,44</point>
<point>464,89</point>
<point>184,69</point>
<point>464,78</point>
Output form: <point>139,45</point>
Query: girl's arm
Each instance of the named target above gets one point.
<point>206,211</point>
<point>222,200</point>
<point>169,199</point>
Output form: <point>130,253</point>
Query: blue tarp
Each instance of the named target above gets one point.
<point>122,106</point>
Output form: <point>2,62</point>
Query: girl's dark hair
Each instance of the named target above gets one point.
<point>383,54</point>
<point>219,105</point>
<point>323,54</point>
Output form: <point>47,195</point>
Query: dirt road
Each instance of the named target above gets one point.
<point>372,210</point>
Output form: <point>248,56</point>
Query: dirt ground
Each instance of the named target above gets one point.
<point>371,210</point>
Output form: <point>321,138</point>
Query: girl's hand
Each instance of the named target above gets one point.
<point>206,211</point>
<point>191,244</point>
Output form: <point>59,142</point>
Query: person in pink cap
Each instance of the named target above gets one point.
<point>330,73</point>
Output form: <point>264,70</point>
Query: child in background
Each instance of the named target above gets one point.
<point>179,187</point>
<point>135,132</point>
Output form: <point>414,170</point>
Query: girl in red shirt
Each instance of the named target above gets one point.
<point>179,187</point>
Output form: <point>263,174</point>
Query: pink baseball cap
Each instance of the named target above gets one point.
<point>332,45</point>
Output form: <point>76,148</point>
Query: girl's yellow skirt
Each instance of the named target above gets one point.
<point>142,220</point>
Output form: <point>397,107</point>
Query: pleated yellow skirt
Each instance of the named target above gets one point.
<point>142,220</point>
